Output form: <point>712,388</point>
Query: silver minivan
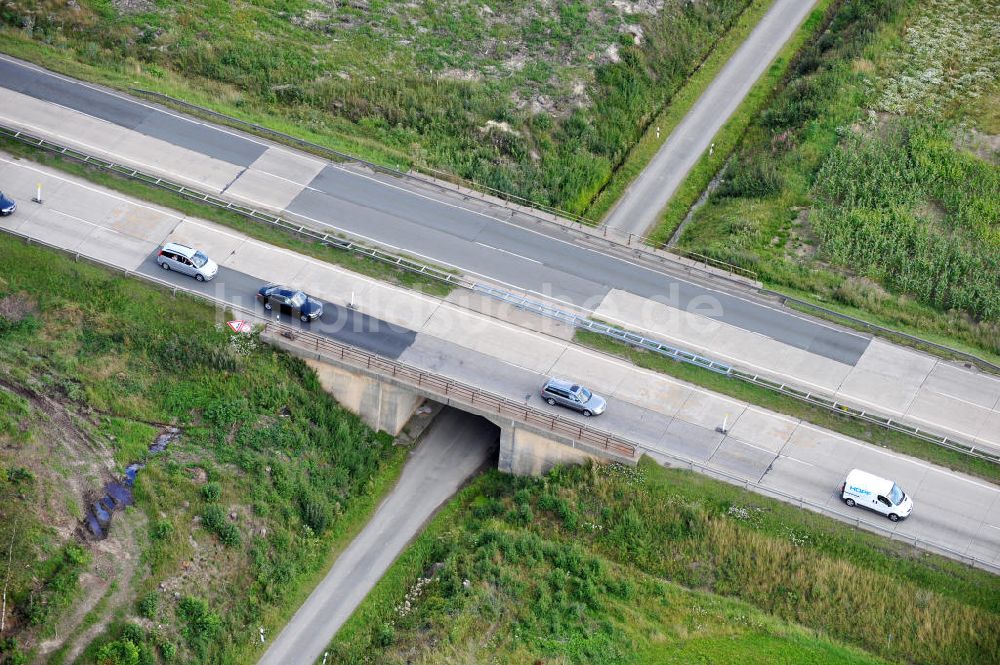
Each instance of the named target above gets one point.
<point>187,260</point>
<point>566,393</point>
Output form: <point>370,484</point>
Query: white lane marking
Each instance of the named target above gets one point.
<point>957,399</point>
<point>742,362</point>
<point>514,328</point>
<point>748,445</point>
<point>98,150</point>
<point>74,183</point>
<point>78,219</point>
<point>880,451</point>
<point>597,356</point>
<point>602,254</point>
<point>118,95</point>
<point>795,459</point>
<point>252,169</point>
<point>581,350</point>
<point>482,244</point>
<point>482,214</point>
<point>471,272</point>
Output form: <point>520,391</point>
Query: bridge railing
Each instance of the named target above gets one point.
<point>504,407</point>
<point>443,387</point>
<point>428,382</point>
<point>814,398</point>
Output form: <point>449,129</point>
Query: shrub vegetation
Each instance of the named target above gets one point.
<point>266,458</point>
<point>862,182</point>
<point>621,565</point>
<point>539,100</point>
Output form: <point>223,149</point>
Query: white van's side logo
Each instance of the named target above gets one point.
<point>859,490</point>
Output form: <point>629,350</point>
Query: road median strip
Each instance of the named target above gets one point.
<point>675,256</point>
<point>457,280</point>
<point>619,446</point>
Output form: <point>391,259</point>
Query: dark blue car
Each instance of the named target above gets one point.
<point>290,301</point>
<point>7,205</point>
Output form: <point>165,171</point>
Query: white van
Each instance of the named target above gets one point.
<point>878,494</point>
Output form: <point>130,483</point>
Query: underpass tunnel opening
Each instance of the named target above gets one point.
<point>469,435</point>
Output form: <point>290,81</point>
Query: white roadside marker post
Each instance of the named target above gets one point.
<point>724,428</point>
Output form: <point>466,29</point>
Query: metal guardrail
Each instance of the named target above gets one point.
<point>613,441</point>
<point>614,332</point>
<point>542,309</point>
<point>891,534</point>
<point>402,262</point>
<point>820,400</point>
<point>440,179</point>
<point>427,381</point>
<point>674,353</point>
<point>315,148</point>
<point>984,365</point>
<point>630,240</point>
<point>443,387</point>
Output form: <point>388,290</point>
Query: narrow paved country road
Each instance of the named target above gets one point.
<point>456,446</point>
<point>639,208</point>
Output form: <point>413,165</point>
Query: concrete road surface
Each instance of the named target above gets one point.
<point>449,454</point>
<point>664,416</point>
<point>465,234</point>
<point>639,208</point>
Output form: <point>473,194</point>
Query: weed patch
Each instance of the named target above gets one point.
<point>624,565</point>
<point>542,101</point>
<point>267,462</point>
<point>852,185</point>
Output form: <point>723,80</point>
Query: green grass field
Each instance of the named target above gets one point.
<point>648,565</point>
<point>231,525</point>
<point>867,180</point>
<point>542,101</point>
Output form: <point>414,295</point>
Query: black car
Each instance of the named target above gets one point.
<point>7,205</point>
<point>290,301</point>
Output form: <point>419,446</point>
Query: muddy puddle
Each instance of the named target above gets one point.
<point>117,493</point>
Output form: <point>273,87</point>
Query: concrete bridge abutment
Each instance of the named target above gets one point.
<point>524,452</point>
<point>381,405</point>
<point>387,402</point>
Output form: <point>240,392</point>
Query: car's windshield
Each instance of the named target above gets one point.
<point>298,299</point>
<point>896,495</point>
<point>585,395</point>
<point>199,259</point>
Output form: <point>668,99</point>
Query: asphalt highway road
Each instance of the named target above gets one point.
<point>446,230</point>
<point>339,323</point>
